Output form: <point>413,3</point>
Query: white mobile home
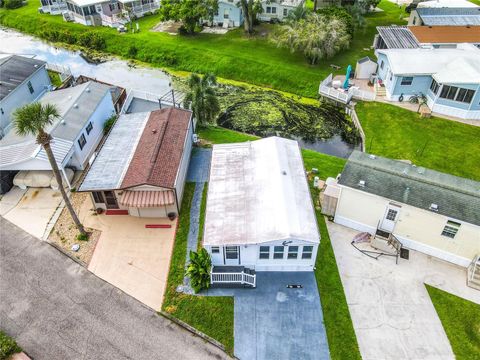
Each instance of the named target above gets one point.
<point>428,211</point>
<point>83,110</point>
<point>259,211</point>
<point>142,166</point>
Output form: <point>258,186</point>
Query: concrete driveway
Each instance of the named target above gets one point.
<point>273,322</point>
<point>58,310</point>
<point>391,310</point>
<point>129,256</point>
<point>30,209</point>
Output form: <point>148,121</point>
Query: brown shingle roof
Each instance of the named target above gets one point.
<point>159,151</point>
<point>446,34</point>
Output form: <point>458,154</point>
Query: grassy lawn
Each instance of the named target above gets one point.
<point>459,318</point>
<point>443,145</point>
<point>232,56</point>
<point>211,315</point>
<point>54,78</point>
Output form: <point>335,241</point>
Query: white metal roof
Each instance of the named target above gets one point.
<point>111,163</point>
<point>429,61</point>
<point>258,193</point>
<point>87,2</point>
<point>446,4</point>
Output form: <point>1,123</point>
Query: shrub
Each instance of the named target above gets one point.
<point>341,14</point>
<point>82,237</point>
<point>92,40</point>
<point>198,270</point>
<point>132,51</point>
<point>109,123</point>
<point>12,4</point>
<point>8,346</point>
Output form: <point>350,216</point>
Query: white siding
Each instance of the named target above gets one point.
<point>183,168</point>
<point>250,257</point>
<point>416,228</point>
<point>104,110</point>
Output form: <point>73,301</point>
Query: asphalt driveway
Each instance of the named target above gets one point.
<point>56,309</point>
<point>274,322</point>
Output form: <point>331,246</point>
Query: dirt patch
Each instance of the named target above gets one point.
<point>169,27</point>
<point>64,233</point>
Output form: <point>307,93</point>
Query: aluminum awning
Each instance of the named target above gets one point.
<point>147,199</point>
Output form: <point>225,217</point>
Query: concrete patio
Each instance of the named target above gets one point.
<point>129,256</point>
<point>391,310</point>
<point>30,209</point>
<point>274,322</point>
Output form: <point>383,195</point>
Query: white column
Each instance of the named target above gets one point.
<point>65,177</point>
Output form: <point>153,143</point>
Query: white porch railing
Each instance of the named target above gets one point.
<point>233,278</point>
<point>63,71</point>
<point>472,270</point>
<point>144,95</point>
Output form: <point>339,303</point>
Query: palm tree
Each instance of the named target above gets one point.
<point>32,119</point>
<point>201,98</point>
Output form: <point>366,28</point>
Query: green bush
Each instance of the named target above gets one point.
<point>82,237</point>
<point>198,270</point>
<point>8,346</point>
<point>92,40</point>
<point>12,4</point>
<point>109,123</point>
<point>132,51</point>
<point>341,14</point>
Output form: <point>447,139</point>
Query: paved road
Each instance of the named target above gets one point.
<point>56,309</point>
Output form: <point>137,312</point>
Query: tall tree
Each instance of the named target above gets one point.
<point>250,9</point>
<point>32,119</point>
<point>202,99</point>
<point>190,12</point>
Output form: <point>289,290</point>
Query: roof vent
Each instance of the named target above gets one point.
<point>371,156</point>
<point>361,183</point>
<point>35,66</point>
<point>63,122</point>
<point>284,172</point>
<point>87,90</point>
<point>75,106</point>
<point>154,131</point>
<point>433,207</point>
<point>69,97</point>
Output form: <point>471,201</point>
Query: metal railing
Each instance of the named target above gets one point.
<point>233,278</point>
<point>63,71</point>
<point>326,89</point>
<point>473,268</point>
<point>144,95</point>
<point>350,110</point>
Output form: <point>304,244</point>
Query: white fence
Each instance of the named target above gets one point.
<point>233,278</point>
<point>326,89</point>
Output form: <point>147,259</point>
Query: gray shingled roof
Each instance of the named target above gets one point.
<point>14,70</point>
<point>456,197</point>
<point>397,37</point>
<point>449,16</point>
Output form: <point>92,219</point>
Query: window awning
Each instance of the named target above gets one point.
<point>144,199</point>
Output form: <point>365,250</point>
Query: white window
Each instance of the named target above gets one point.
<point>465,95</point>
<point>226,14</point>
<point>274,10</point>
<point>264,252</point>
<point>269,9</point>
<point>278,252</point>
<point>307,252</point>
<point>407,80</point>
<point>448,92</point>
<point>381,64</point>
<point>434,87</point>
<point>451,229</point>
<point>82,142</point>
<point>231,252</point>
<point>391,214</point>
<point>89,128</point>
<point>285,12</point>
<point>215,250</point>
<point>292,252</point>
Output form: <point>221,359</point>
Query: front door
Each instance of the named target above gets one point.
<point>232,255</point>
<point>390,217</point>
<point>110,200</point>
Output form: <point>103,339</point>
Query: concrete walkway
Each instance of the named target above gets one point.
<point>56,309</point>
<point>391,310</point>
<point>198,172</point>
<point>273,322</point>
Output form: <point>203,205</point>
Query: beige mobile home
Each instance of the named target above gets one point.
<point>428,211</point>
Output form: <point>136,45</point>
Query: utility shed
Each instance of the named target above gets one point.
<point>259,211</point>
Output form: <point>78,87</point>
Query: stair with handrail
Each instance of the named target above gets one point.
<point>232,276</point>
<point>473,273</point>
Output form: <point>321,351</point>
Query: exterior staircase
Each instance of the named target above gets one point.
<point>473,273</point>
<point>232,276</point>
<point>379,89</point>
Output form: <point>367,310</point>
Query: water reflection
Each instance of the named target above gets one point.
<point>116,72</point>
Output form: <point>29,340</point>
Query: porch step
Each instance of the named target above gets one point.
<point>381,244</point>
<point>473,273</point>
<point>382,233</point>
<point>116,212</point>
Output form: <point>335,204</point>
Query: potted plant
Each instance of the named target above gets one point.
<point>172,216</point>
